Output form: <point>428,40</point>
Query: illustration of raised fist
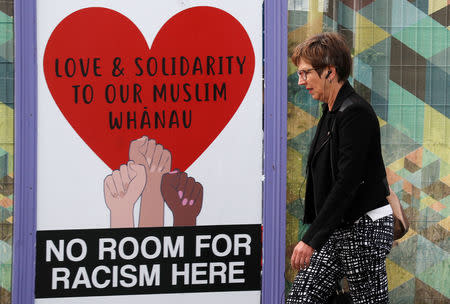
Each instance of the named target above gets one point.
<point>153,156</point>
<point>184,196</point>
<point>122,188</point>
<point>157,161</point>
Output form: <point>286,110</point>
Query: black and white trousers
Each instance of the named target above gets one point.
<point>357,252</point>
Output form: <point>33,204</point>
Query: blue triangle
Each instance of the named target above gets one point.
<point>428,254</point>
<point>404,254</point>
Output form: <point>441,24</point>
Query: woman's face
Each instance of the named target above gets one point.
<point>316,86</point>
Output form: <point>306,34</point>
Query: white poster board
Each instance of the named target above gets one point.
<point>175,87</point>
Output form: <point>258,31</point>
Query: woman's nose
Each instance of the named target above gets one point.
<point>301,81</point>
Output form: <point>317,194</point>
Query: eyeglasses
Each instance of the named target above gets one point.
<point>304,73</point>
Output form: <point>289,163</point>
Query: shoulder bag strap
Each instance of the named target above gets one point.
<point>343,106</point>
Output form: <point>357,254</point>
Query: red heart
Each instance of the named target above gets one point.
<point>204,38</point>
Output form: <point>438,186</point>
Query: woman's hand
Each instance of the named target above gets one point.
<point>301,256</point>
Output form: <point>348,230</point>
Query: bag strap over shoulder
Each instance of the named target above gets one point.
<point>347,102</point>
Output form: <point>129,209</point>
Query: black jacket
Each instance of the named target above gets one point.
<point>353,148</point>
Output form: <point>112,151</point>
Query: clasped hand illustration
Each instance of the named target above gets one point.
<point>147,175</point>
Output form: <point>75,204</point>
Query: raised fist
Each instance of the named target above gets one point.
<point>122,188</point>
<point>184,196</point>
<point>152,156</point>
<point>156,161</point>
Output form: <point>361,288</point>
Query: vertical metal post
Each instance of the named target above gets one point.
<point>25,152</point>
<point>275,132</point>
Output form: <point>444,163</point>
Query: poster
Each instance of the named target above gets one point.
<point>149,151</point>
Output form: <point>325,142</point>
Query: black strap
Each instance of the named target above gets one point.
<point>348,102</point>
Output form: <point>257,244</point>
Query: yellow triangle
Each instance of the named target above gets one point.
<point>315,18</point>
<point>445,223</point>
<point>312,27</point>
<point>396,275</point>
<point>291,240</point>
<point>291,226</point>
<point>426,202</point>
<point>291,67</point>
<point>7,134</point>
<point>367,34</point>
<point>10,219</point>
<point>397,165</point>
<point>291,273</point>
<point>381,121</point>
<point>7,115</point>
<point>435,133</point>
<point>295,37</point>
<point>411,232</point>
<point>294,178</point>
<point>436,5</point>
<point>300,34</point>
<point>298,121</point>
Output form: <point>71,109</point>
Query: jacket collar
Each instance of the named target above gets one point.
<point>342,95</point>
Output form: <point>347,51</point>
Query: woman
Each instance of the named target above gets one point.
<point>351,229</point>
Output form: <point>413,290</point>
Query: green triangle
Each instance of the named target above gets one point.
<point>428,157</point>
<point>406,112</point>
<point>6,28</point>
<point>405,174</point>
<point>4,18</point>
<point>404,254</point>
<point>438,277</point>
<point>5,276</point>
<point>430,173</point>
<point>428,255</point>
<point>397,187</point>
<point>296,208</point>
<point>404,204</point>
<point>423,195</point>
<point>403,293</point>
<point>426,218</point>
<point>427,37</point>
<point>446,202</point>
<point>422,205</point>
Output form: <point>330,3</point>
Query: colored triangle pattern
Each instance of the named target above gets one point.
<point>427,37</point>
<point>401,60</point>
<point>367,34</point>
<point>396,275</point>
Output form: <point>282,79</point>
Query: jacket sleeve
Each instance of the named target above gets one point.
<point>355,129</point>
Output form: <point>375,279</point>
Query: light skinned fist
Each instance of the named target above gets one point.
<point>301,257</point>
<point>122,188</point>
<point>153,156</point>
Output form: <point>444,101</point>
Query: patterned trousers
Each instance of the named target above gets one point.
<point>357,252</point>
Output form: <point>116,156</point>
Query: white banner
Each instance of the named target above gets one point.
<point>149,151</point>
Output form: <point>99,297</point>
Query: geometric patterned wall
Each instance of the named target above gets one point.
<point>6,146</point>
<point>401,61</point>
